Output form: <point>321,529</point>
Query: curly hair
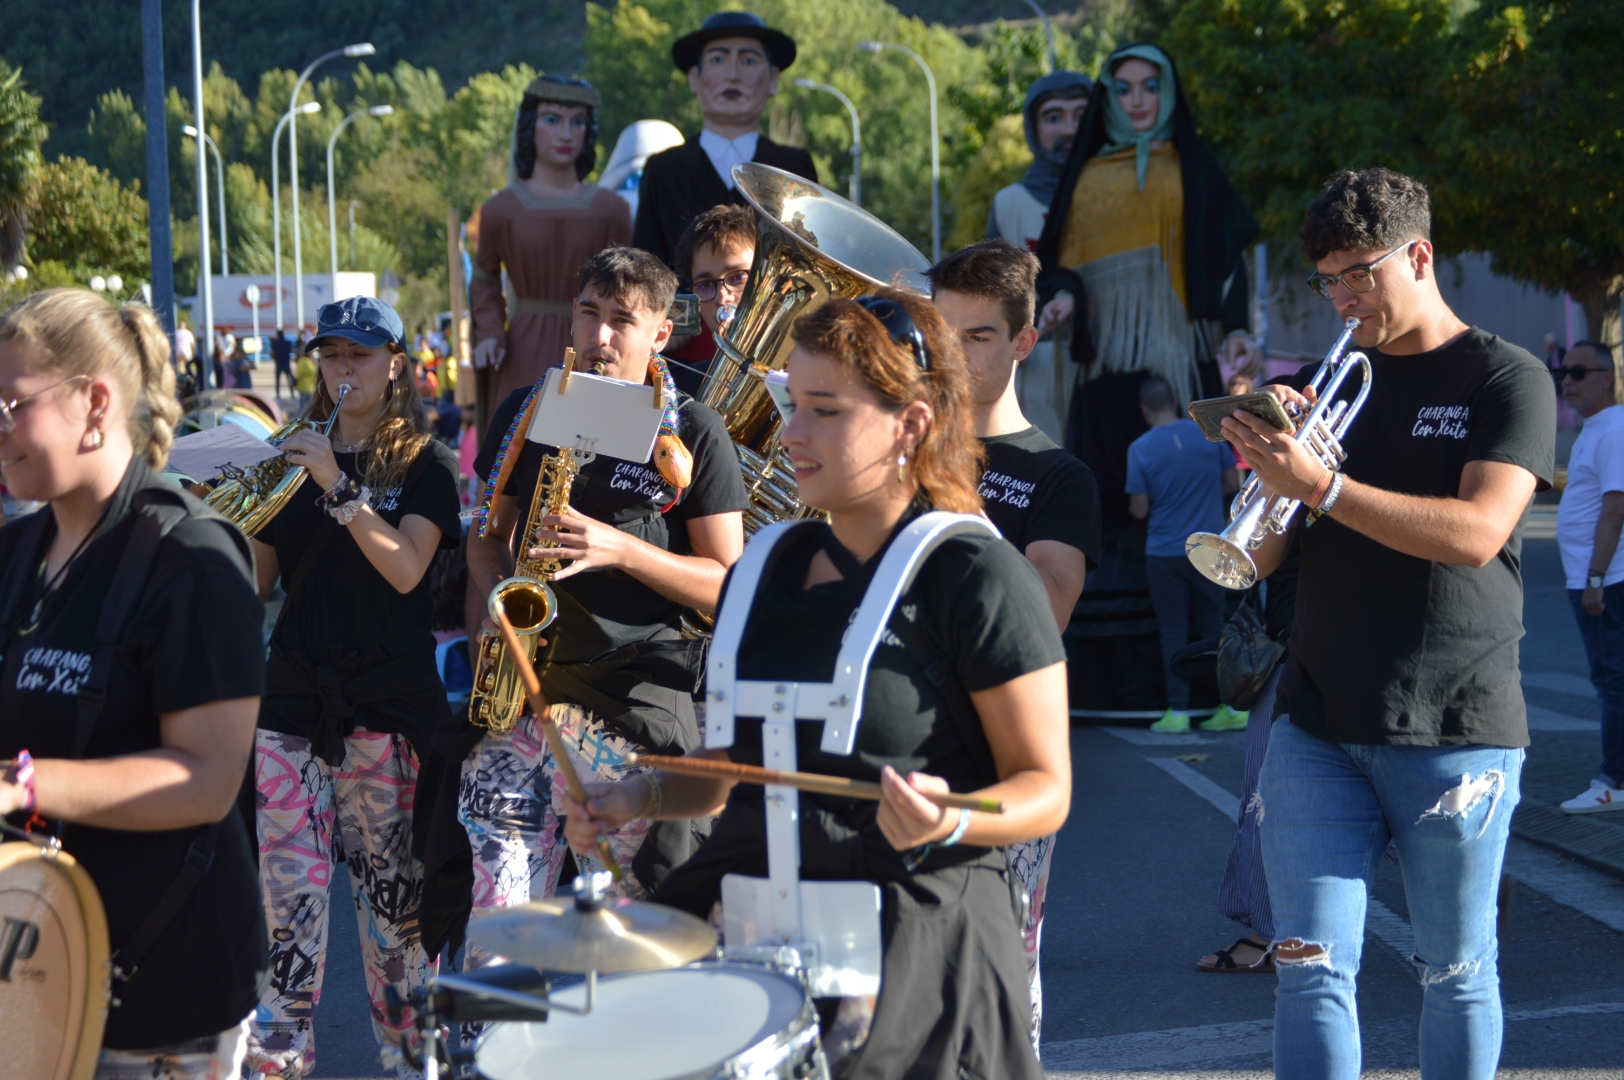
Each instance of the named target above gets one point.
<point>77,332</point>
<point>1363,211</point>
<point>401,435</point>
<point>947,462</point>
<point>524,138</point>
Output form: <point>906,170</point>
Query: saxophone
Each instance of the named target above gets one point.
<point>526,598</point>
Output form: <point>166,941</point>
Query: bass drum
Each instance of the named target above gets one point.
<point>54,965</point>
<point>704,1022</point>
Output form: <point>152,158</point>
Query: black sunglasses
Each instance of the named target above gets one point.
<point>1577,372</point>
<point>736,281</point>
<point>899,324</point>
<point>332,316</point>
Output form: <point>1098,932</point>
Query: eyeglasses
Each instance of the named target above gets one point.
<point>1358,279</point>
<point>10,409</point>
<point>899,324</point>
<point>1577,373</point>
<point>736,281</point>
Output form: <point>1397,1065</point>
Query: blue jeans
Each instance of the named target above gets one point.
<point>1604,646</point>
<point>1328,812</point>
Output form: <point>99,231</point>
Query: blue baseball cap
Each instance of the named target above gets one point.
<point>361,319</point>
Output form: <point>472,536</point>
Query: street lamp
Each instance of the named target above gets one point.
<point>205,272</point>
<point>332,212</point>
<point>1048,31</point>
<point>220,176</point>
<point>876,47</point>
<point>276,198</point>
<point>363,49</point>
<point>856,187</point>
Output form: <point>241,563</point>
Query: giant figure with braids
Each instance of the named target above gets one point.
<point>538,231</point>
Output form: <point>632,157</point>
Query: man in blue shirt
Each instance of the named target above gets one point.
<point>1178,480</point>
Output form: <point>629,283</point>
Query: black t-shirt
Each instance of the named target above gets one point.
<point>345,621</point>
<point>193,638</point>
<point>1390,648</point>
<point>1034,490</point>
<point>976,601</point>
<point>605,609</point>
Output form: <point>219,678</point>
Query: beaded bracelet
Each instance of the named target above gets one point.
<point>25,777</point>
<point>343,491</point>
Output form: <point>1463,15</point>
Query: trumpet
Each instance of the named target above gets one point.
<point>1258,513</point>
<point>251,497</point>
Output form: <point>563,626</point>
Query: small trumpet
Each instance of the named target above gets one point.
<point>1258,513</point>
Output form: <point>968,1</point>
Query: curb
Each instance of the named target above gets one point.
<point>1599,845</point>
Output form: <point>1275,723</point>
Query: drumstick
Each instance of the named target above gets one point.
<point>544,720</point>
<point>824,785</point>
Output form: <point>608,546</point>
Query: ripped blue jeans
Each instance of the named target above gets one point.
<point>1328,812</point>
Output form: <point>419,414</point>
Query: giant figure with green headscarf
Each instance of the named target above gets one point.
<point>1143,242</point>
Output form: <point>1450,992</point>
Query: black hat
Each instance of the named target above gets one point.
<point>725,24</point>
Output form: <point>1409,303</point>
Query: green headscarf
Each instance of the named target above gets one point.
<point>1119,131</point>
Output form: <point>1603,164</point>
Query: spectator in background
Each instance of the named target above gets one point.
<point>185,347</point>
<point>1178,480</point>
<point>467,450</point>
<point>1554,352</point>
<point>446,417</point>
<point>282,357</point>
<point>1587,527</point>
<point>304,378</point>
<point>242,377</point>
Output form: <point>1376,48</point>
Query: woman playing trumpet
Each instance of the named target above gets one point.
<point>351,685</point>
<point>880,433</point>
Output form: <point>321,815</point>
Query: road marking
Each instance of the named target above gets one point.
<point>1543,719</point>
<point>1139,736</point>
<point>1567,883</point>
<point>1559,681</point>
<point>1381,921</point>
<point>1221,1042</point>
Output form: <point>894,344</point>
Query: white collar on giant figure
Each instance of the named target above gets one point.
<point>724,153</point>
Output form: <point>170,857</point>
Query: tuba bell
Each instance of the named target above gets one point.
<point>812,246</point>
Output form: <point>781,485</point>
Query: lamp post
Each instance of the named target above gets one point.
<point>276,199</point>
<point>1048,31</point>
<point>856,187</point>
<point>205,287</point>
<point>332,210</point>
<point>220,176</point>
<point>363,49</point>
<point>876,47</point>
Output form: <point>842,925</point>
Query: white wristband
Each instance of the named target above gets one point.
<point>959,830</point>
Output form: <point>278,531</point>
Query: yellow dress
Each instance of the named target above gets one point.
<point>1127,245</point>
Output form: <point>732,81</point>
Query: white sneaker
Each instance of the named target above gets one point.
<point>1597,800</point>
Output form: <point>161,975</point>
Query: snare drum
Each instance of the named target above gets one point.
<point>695,1023</point>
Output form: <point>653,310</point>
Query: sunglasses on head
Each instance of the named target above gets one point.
<point>899,325</point>
<point>332,316</point>
<point>1577,373</point>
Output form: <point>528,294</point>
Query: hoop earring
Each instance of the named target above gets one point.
<point>902,468</point>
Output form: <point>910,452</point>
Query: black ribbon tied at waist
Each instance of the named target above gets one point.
<point>342,689</point>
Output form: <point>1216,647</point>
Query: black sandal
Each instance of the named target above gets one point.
<point>1226,965</point>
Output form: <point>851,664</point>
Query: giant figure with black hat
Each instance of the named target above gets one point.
<point>733,62</point>
<point>1054,109</point>
<point>1144,242</point>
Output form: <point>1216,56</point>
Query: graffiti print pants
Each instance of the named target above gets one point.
<point>310,815</point>
<point>506,802</point>
<point>1029,861</point>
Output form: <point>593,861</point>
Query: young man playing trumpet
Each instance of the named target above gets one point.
<point>637,552</point>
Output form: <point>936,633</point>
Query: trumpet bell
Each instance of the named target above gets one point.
<point>1221,560</point>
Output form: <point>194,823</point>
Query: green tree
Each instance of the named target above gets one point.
<point>1003,160</point>
<point>1531,164</point>
<point>86,220</point>
<point>117,137</point>
<point>21,135</point>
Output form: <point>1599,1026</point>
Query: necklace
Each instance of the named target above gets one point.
<point>56,579</point>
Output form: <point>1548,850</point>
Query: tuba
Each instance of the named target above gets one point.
<point>812,246</point>
<point>251,497</point>
<point>1257,513</point>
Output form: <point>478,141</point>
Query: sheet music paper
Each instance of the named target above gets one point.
<point>204,454</point>
<point>614,417</point>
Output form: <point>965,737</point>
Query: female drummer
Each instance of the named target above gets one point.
<point>881,432</point>
<point>87,413</point>
<point>350,685</point>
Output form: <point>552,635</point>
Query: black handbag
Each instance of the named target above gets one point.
<point>1246,656</point>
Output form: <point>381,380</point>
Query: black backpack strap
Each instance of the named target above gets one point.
<point>14,588</point>
<point>199,858</point>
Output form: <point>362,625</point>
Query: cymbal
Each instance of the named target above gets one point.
<point>565,934</point>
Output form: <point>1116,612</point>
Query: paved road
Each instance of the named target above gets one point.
<point>1131,908</point>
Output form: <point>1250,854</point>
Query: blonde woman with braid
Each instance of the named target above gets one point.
<point>136,787</point>
<point>351,691</point>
